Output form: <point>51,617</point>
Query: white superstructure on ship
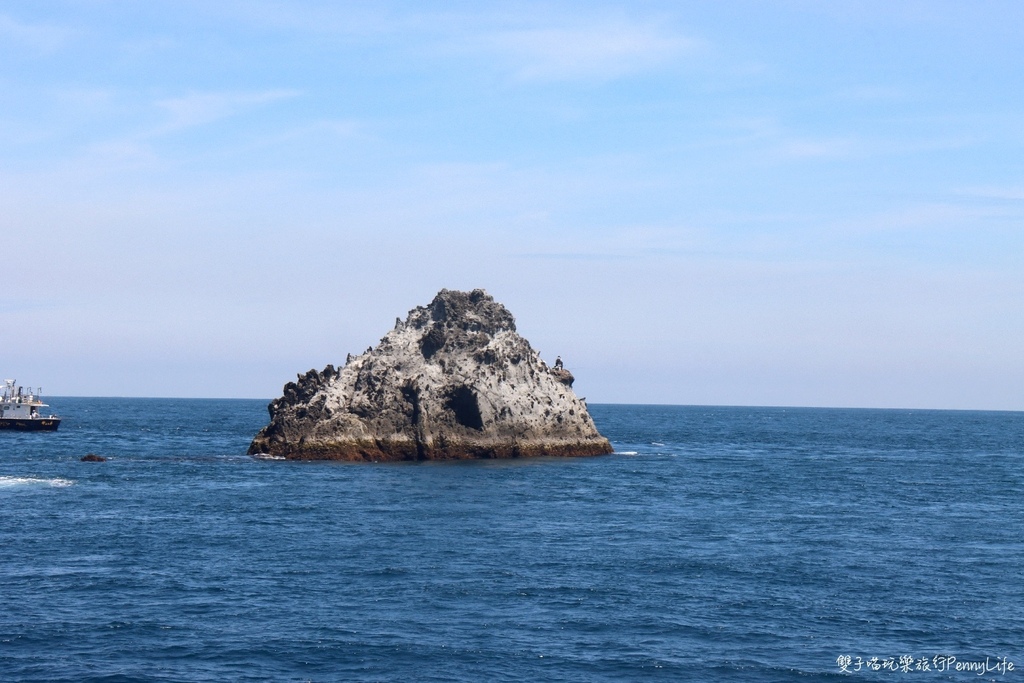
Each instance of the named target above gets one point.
<point>20,409</point>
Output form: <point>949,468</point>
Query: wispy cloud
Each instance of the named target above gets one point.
<point>626,243</point>
<point>547,45</point>
<point>1006,193</point>
<point>323,129</point>
<point>39,37</point>
<point>929,229</point>
<point>346,20</point>
<point>198,109</point>
<point>144,122</point>
<point>871,93</point>
<point>781,142</point>
<point>595,51</point>
<point>120,154</point>
<point>778,141</point>
<point>825,148</point>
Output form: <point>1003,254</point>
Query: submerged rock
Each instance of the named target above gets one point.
<point>92,457</point>
<point>452,381</point>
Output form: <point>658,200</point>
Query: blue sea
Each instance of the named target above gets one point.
<point>717,544</point>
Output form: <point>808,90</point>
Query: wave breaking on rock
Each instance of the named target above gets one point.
<point>453,381</point>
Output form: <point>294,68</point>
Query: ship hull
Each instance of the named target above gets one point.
<point>43,424</point>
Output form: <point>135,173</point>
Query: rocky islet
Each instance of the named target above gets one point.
<point>454,380</point>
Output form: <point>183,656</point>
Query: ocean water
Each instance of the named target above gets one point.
<point>718,544</point>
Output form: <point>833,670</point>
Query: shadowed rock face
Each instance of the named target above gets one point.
<point>454,380</point>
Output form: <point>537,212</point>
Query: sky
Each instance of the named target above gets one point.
<point>786,203</point>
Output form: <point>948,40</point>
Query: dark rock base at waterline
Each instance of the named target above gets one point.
<point>398,452</point>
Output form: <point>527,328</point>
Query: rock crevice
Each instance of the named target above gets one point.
<point>453,380</point>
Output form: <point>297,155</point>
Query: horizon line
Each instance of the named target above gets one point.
<point>600,403</point>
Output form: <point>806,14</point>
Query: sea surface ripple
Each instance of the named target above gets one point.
<point>735,544</point>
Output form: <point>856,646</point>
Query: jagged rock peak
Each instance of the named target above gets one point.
<point>454,380</point>
<point>470,311</point>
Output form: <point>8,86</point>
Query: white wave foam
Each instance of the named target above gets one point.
<point>626,452</point>
<point>11,482</point>
<point>268,456</point>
